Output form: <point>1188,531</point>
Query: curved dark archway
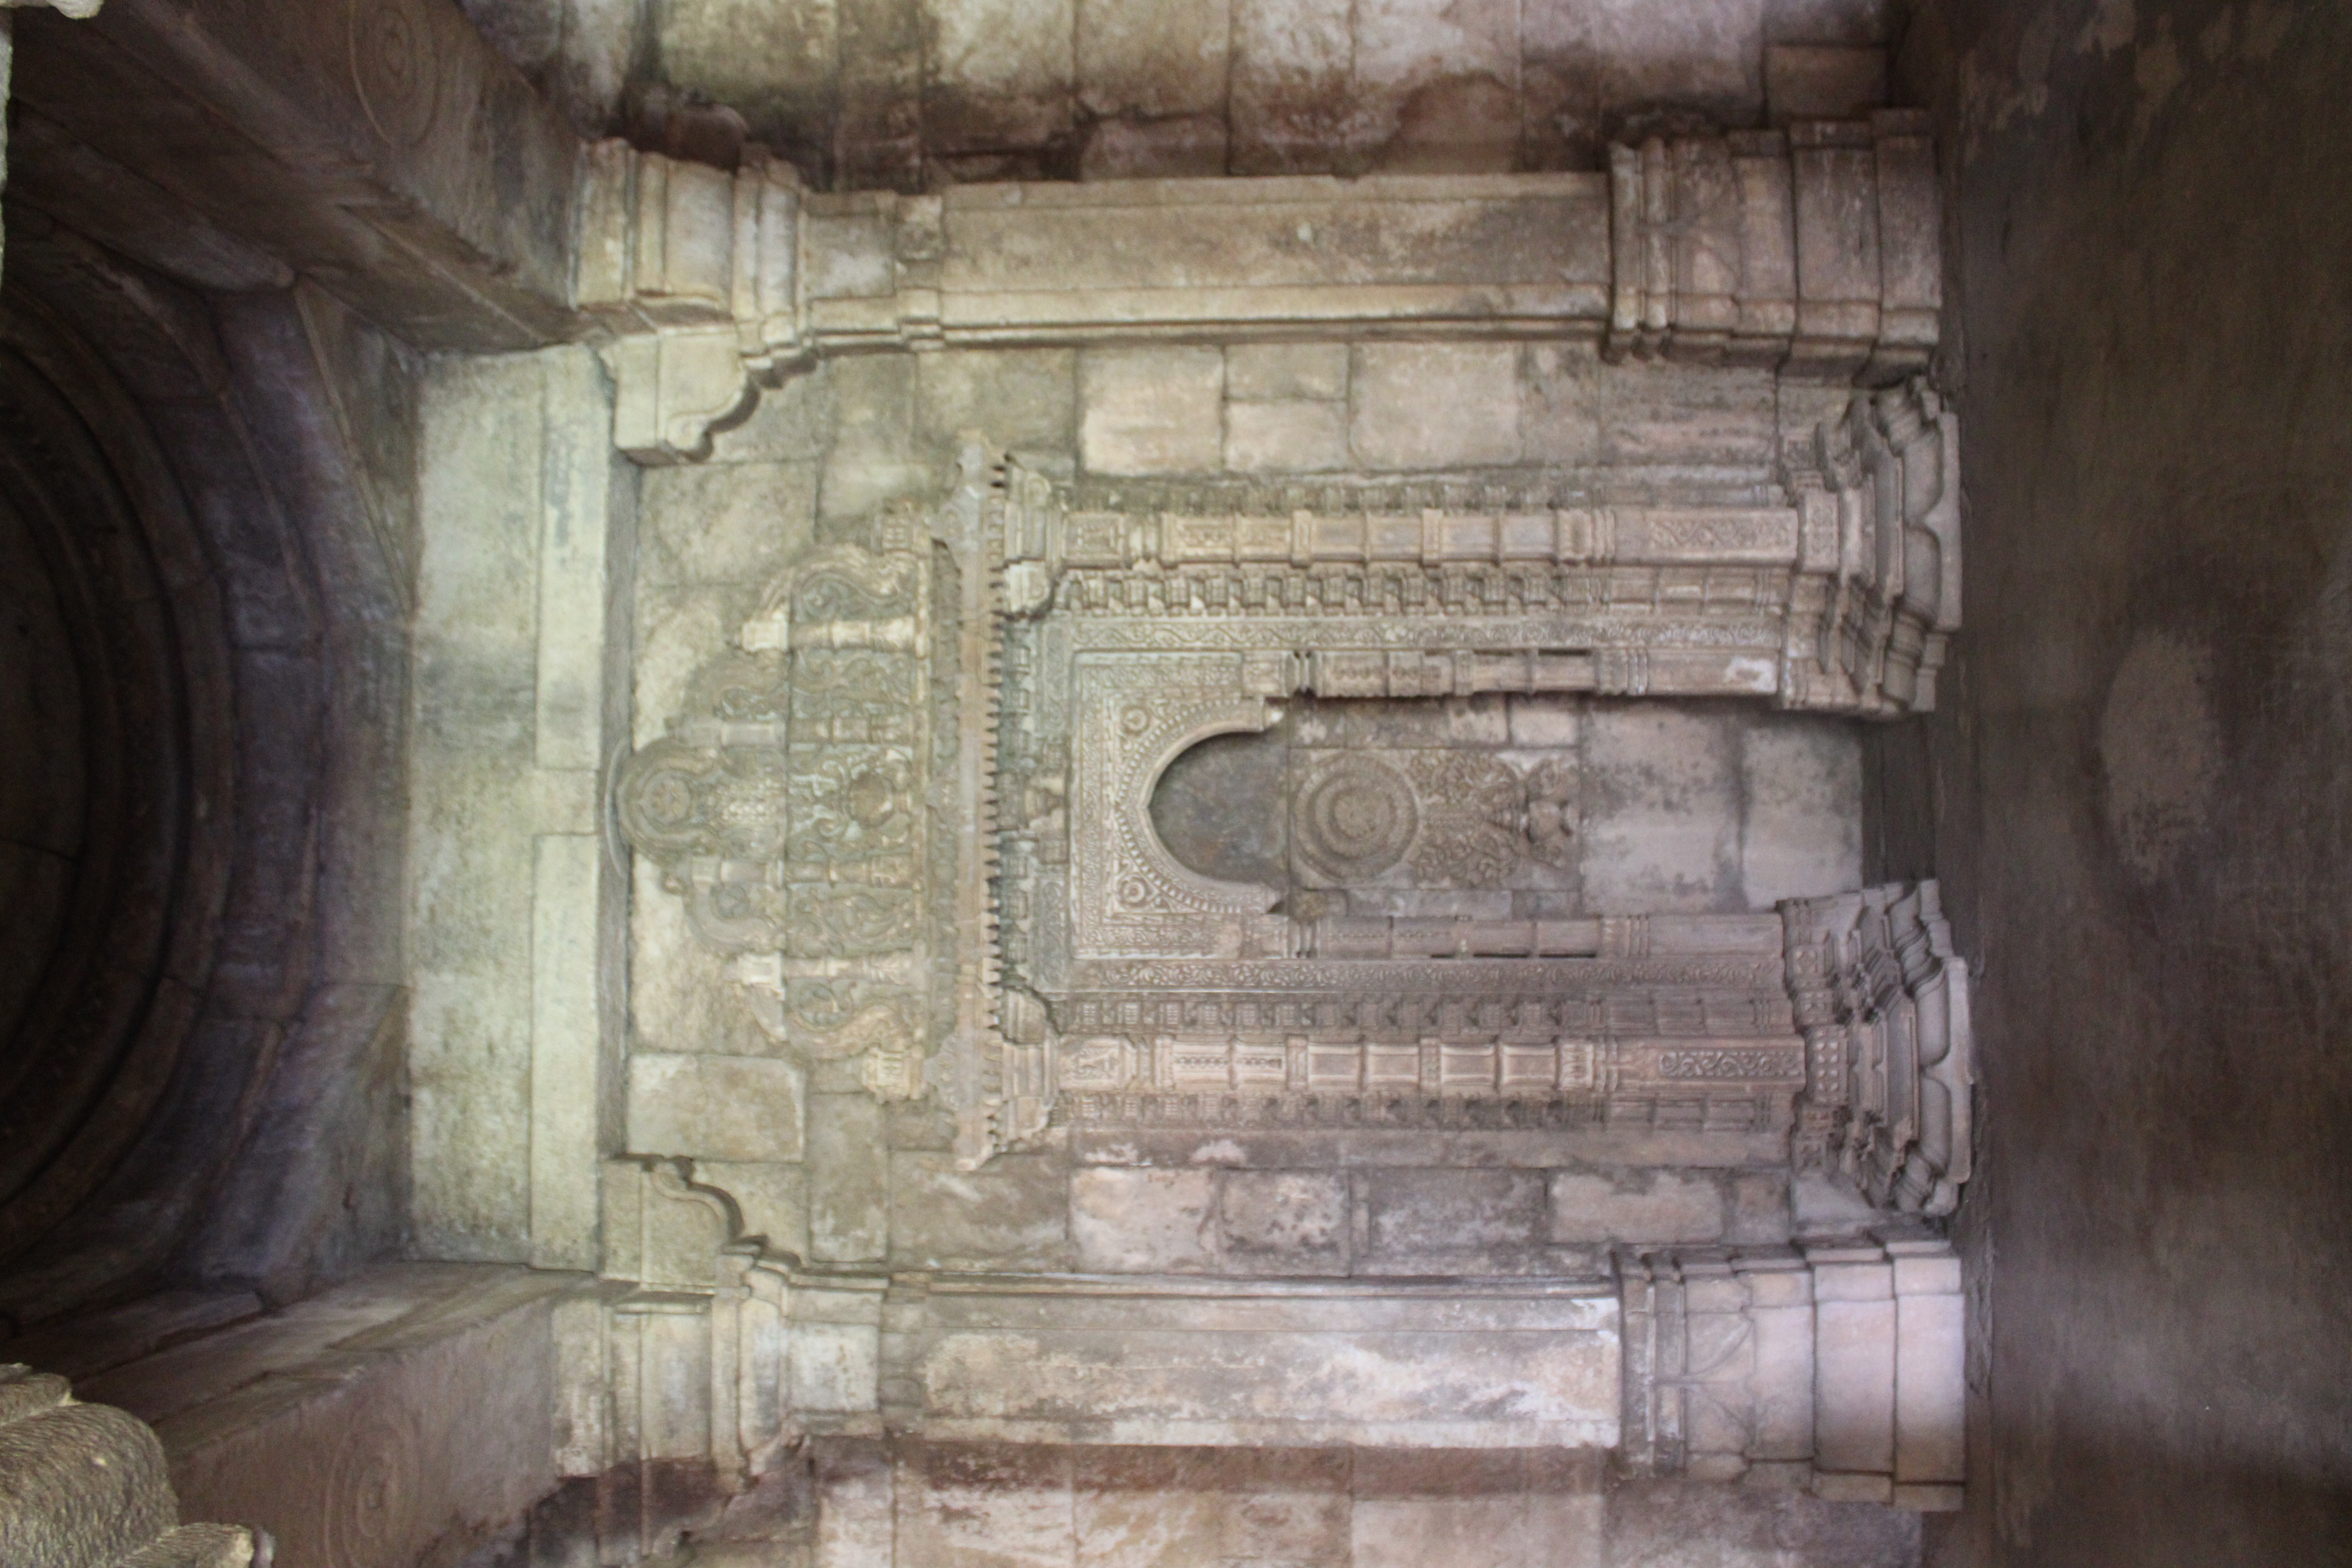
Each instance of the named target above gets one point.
<point>200,846</point>
<point>116,829</point>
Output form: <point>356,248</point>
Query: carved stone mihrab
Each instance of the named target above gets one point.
<point>829,810</point>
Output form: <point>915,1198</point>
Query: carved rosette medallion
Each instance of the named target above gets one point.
<point>374,1482</point>
<point>392,67</point>
<point>1353,818</point>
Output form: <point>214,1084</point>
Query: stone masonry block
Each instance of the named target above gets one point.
<point>1424,1212</point>
<point>1280,372</point>
<point>1802,829</point>
<point>1635,1205</point>
<point>1294,1213</point>
<point>1435,406</point>
<point>714,1108</point>
<point>1021,399</point>
<point>1151,411</point>
<point>1292,437</point>
<point>734,522</point>
<point>1143,1221</point>
<point>1015,1214</point>
<point>849,1179</point>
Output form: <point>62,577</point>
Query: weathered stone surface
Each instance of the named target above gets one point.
<point>1823,80</point>
<point>1435,406</point>
<point>1286,1220</point>
<point>1800,829</point>
<point>760,57</point>
<point>873,460</point>
<point>470,854</point>
<point>732,522</point>
<point>338,1423</point>
<point>1024,399</point>
<point>450,245</point>
<point>1309,1362</point>
<point>1013,1215</point>
<point>1436,86</point>
<point>1178,147</point>
<point>674,1008</point>
<point>1662,815</point>
<point>1644,1205</point>
<point>1687,416</point>
<point>1152,61</point>
<point>1497,1510</point>
<point>849,1179</point>
<point>1145,1507</point>
<point>968,1504</point>
<point>791,422</point>
<point>713,1107</point>
<point>774,1198</point>
<point>1143,1221</point>
<point>1418,1214</point>
<point>997,75</point>
<point>1293,437</point>
<point>1151,411</point>
<point>1290,86</point>
<point>79,1484</point>
<point>1278,373</point>
<point>1298,86</point>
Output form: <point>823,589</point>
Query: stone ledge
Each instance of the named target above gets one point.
<point>404,1416</point>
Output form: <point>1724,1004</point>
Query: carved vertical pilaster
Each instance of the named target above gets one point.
<point>1838,1369</point>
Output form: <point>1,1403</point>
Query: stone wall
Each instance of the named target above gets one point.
<point>2138,803</point>
<point>515,903</point>
<point>871,94</point>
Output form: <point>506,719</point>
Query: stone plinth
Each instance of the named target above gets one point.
<point>410,1411</point>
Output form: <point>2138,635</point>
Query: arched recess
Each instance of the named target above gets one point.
<point>117,874</point>
<point>199,1072</point>
<point>1221,807</point>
